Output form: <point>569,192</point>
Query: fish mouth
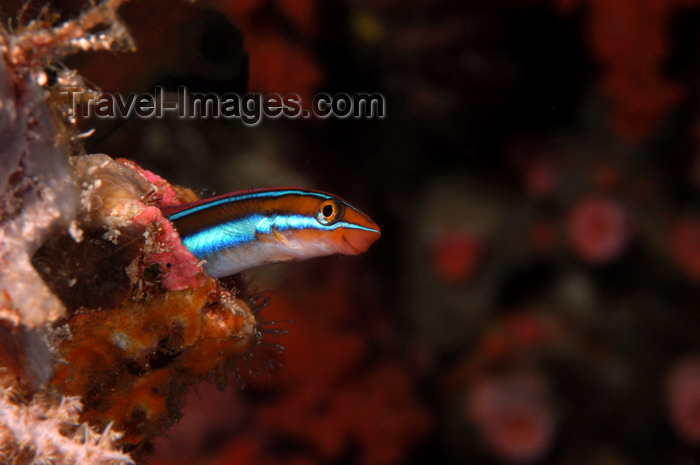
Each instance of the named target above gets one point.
<point>357,242</point>
<point>353,250</point>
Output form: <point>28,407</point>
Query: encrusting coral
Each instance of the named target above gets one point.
<point>131,362</point>
<point>105,317</point>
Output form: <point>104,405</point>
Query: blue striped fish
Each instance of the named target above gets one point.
<point>242,230</point>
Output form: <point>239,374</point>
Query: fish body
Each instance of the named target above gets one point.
<point>242,230</point>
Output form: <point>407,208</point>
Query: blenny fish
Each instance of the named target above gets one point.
<point>242,230</point>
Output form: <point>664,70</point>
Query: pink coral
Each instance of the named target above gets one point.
<point>163,192</point>
<point>455,256</point>
<point>598,229</point>
<point>514,415</point>
<point>178,267</point>
<point>517,335</point>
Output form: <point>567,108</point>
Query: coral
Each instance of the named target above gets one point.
<point>38,195</point>
<point>330,395</point>
<point>130,363</point>
<point>106,317</point>
<point>450,261</point>
<point>455,256</point>
<point>598,229</point>
<point>515,415</point>
<point>38,43</point>
<point>42,431</point>
<point>543,269</point>
<point>505,389</point>
<point>515,337</point>
<point>630,40</point>
<point>204,52</point>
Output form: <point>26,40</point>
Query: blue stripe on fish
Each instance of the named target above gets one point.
<point>246,230</point>
<point>242,230</point>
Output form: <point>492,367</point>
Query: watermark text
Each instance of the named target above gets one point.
<point>250,108</point>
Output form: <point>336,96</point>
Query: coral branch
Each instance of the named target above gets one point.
<point>36,433</point>
<point>36,44</point>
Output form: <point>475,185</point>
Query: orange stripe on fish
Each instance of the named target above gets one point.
<point>242,230</point>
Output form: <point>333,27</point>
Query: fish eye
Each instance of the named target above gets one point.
<point>328,212</point>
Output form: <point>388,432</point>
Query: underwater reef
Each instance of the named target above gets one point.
<point>106,318</point>
<point>534,298</point>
